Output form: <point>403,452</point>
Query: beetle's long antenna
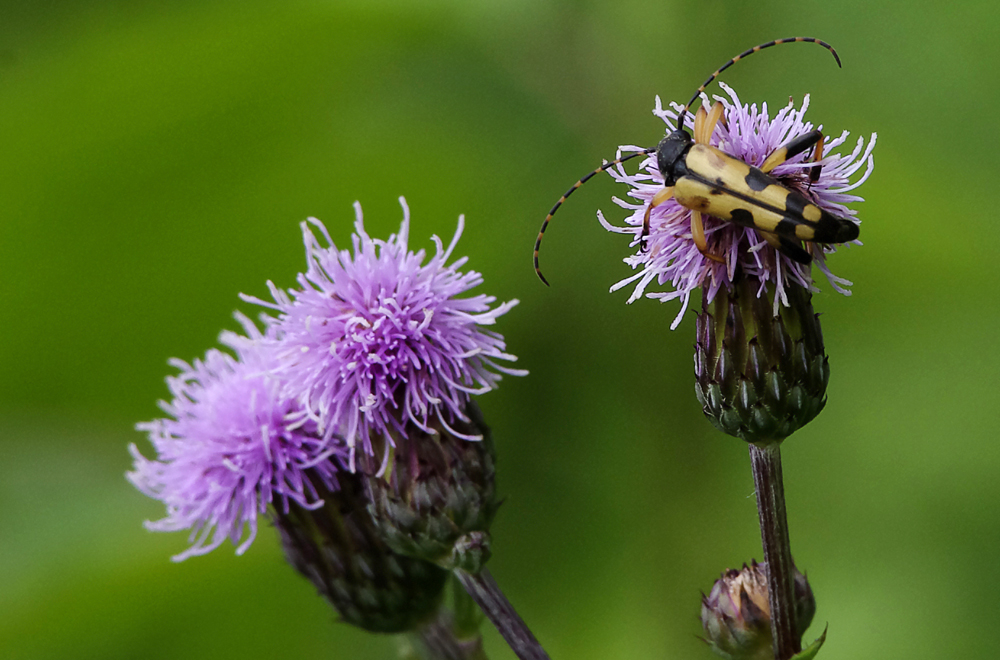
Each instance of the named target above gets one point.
<point>545,223</point>
<point>680,118</point>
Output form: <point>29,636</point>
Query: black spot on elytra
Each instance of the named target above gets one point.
<point>795,204</point>
<point>698,204</point>
<point>785,227</point>
<point>757,180</point>
<point>742,217</point>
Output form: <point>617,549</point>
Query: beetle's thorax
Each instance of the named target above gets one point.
<point>670,155</point>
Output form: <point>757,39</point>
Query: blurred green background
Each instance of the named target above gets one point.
<point>158,157</point>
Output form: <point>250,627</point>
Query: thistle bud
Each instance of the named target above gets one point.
<point>737,618</point>
<point>760,367</point>
<point>338,548</point>
<point>437,498</point>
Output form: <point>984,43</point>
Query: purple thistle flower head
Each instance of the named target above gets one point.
<point>375,340</point>
<point>749,134</point>
<point>230,446</point>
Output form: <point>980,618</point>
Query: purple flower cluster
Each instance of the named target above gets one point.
<point>377,340</point>
<point>371,344</point>
<point>750,134</point>
<point>228,448</point>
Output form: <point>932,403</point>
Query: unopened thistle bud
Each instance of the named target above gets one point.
<point>760,368</point>
<point>737,618</point>
<point>437,498</point>
<point>339,550</point>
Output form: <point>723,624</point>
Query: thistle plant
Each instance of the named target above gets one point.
<point>382,348</point>
<point>348,420</point>
<point>761,369</point>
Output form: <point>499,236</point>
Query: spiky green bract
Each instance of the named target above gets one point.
<point>736,615</point>
<point>339,550</point>
<point>437,498</point>
<point>810,651</point>
<point>760,366</point>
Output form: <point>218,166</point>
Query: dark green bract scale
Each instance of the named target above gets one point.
<point>339,550</point>
<point>760,377</point>
<point>438,497</point>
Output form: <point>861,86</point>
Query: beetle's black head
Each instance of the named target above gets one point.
<point>670,155</point>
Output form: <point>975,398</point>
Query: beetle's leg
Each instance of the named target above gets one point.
<point>817,156</point>
<point>792,148</point>
<point>714,115</point>
<point>772,239</point>
<point>660,197</point>
<point>705,122</point>
<point>698,234</point>
<point>699,124</point>
<point>794,251</point>
<point>790,248</point>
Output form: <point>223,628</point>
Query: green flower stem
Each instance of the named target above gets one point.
<point>468,616</point>
<point>438,637</point>
<point>766,463</point>
<point>484,590</point>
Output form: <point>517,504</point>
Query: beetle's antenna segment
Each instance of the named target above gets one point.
<point>545,223</point>
<point>811,40</point>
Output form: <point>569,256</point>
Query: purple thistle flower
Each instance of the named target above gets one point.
<point>750,135</point>
<point>377,340</point>
<point>230,446</point>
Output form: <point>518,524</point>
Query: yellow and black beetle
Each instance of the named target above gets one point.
<point>708,181</point>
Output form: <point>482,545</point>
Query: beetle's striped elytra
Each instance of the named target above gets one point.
<point>706,180</point>
<point>733,190</point>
